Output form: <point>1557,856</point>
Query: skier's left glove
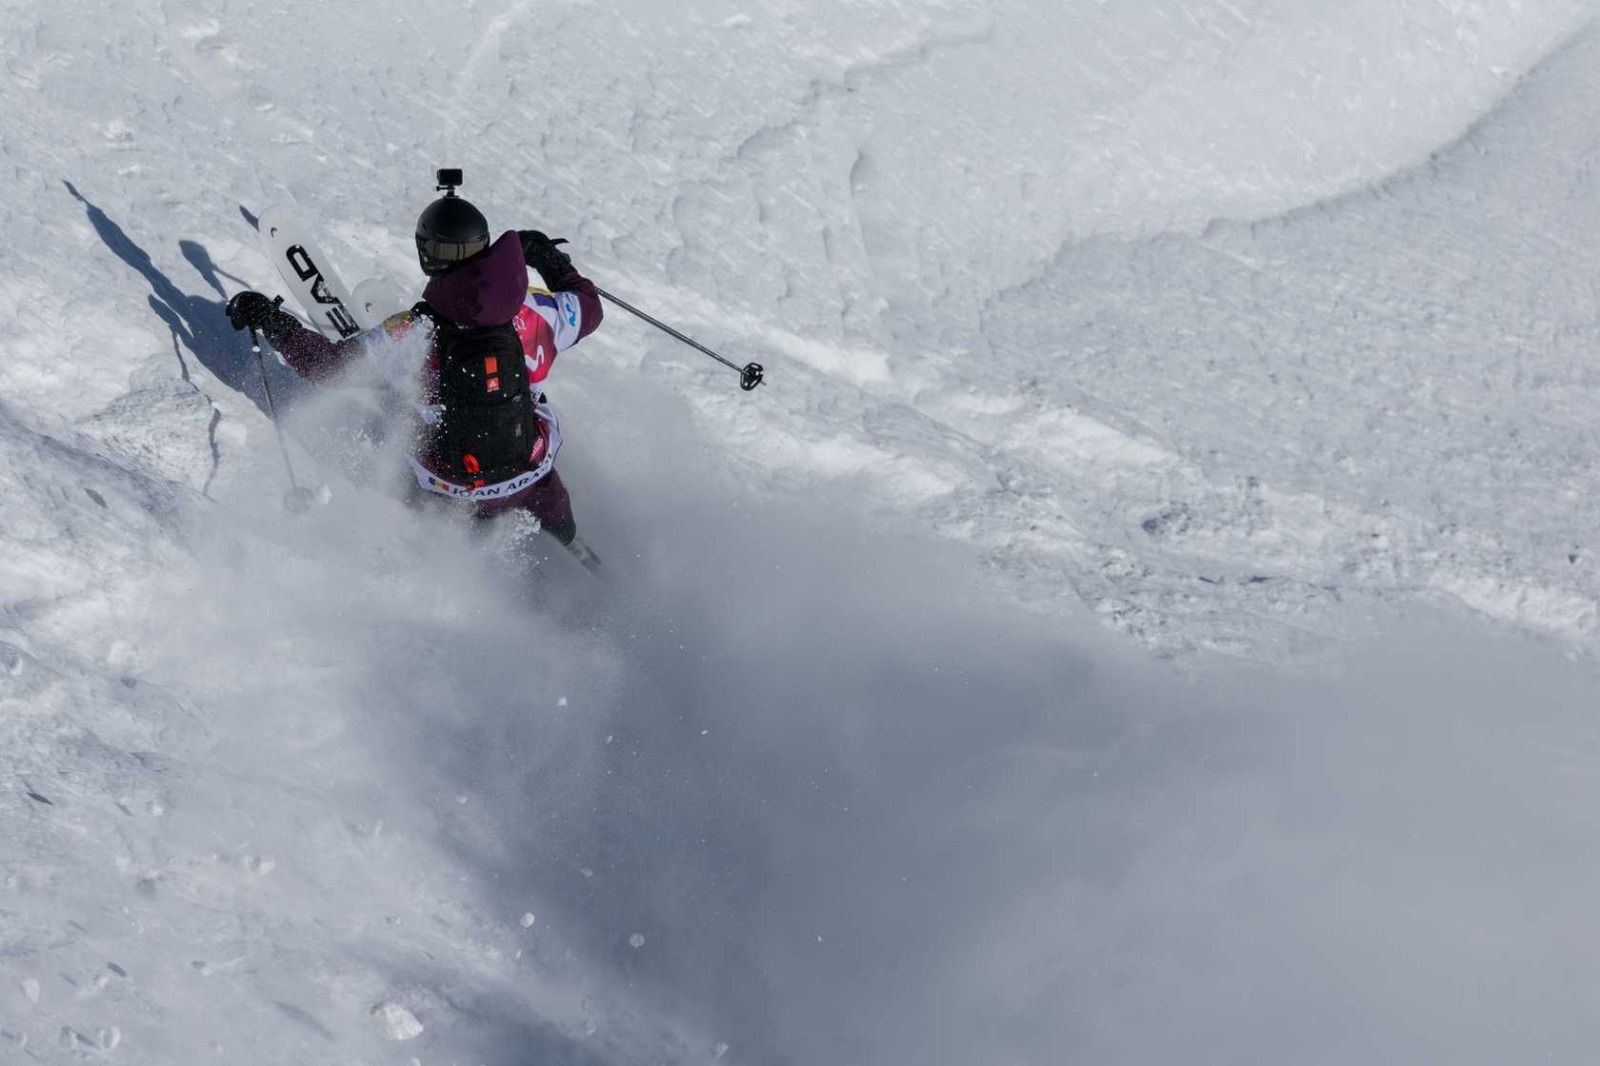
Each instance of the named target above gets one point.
<point>542,254</point>
<point>253,310</point>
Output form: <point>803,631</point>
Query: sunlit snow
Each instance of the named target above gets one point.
<point>1149,615</point>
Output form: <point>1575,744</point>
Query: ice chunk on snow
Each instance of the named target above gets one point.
<point>30,988</point>
<point>398,1022</point>
<point>528,920</point>
<point>636,940</point>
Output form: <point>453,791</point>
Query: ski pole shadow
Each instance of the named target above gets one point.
<point>198,323</point>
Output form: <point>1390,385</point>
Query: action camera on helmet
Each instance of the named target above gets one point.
<point>450,231</point>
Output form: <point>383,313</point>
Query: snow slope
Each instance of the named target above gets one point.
<point>1251,329</point>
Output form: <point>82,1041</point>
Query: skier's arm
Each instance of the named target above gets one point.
<point>573,309</point>
<point>577,307</point>
<point>590,310</point>
<point>309,353</point>
<point>314,356</point>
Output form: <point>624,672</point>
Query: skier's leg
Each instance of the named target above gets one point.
<point>552,506</point>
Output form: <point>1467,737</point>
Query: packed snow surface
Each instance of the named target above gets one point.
<point>1149,615</point>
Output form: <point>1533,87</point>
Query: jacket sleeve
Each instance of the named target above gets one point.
<point>573,308</point>
<point>590,309</point>
<point>309,353</point>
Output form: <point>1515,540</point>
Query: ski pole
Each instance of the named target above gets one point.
<point>750,375</point>
<point>296,499</point>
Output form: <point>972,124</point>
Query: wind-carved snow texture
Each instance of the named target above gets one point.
<point>1397,392</point>
<point>1172,316</point>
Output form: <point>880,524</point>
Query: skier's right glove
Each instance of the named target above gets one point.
<point>252,310</point>
<point>542,254</point>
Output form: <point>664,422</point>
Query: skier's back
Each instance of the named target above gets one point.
<point>488,436</point>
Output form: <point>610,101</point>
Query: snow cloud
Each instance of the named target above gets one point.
<point>828,803</point>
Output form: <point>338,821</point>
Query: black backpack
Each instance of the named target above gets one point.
<point>488,427</point>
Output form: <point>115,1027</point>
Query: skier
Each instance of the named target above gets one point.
<point>488,438</point>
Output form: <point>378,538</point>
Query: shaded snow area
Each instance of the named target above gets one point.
<point>1149,616</point>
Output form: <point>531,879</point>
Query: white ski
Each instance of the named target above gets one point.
<point>378,298</point>
<point>310,276</point>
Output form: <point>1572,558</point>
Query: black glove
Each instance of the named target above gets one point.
<point>541,253</point>
<point>252,310</point>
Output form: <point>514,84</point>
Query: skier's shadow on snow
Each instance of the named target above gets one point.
<point>198,324</point>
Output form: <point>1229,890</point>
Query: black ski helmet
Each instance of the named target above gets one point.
<point>450,230</point>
